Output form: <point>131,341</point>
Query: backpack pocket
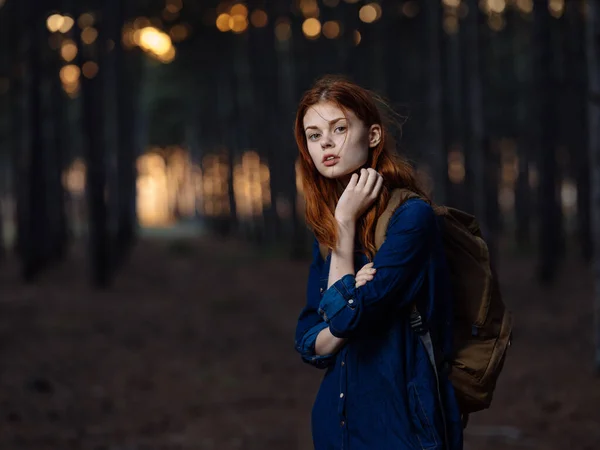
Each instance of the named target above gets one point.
<point>477,366</point>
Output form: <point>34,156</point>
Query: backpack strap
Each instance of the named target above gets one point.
<point>324,250</point>
<point>397,198</point>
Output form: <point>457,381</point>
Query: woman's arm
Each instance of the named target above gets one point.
<point>341,264</point>
<point>342,257</point>
<point>401,263</point>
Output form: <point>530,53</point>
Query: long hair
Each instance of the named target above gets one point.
<point>321,193</point>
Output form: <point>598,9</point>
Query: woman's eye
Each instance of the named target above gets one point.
<point>313,136</point>
<point>340,129</point>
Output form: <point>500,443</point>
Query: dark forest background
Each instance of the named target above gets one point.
<point>149,196</point>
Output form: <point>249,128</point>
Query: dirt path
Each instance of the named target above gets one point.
<point>193,349</point>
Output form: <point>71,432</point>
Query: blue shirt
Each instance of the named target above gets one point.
<point>379,391</point>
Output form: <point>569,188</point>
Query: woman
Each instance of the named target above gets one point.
<point>379,391</point>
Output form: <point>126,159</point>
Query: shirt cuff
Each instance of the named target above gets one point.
<point>339,296</point>
<point>307,348</point>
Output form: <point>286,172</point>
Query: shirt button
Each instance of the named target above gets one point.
<point>321,290</point>
<point>351,302</point>
<point>342,423</point>
<point>342,395</point>
<point>343,363</point>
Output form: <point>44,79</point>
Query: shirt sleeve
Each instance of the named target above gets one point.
<point>310,323</point>
<point>401,263</point>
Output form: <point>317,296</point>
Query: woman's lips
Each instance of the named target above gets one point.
<point>331,162</point>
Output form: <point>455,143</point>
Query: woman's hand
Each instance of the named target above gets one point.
<point>359,195</point>
<point>366,273</point>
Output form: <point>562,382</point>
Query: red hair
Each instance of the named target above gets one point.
<point>321,193</point>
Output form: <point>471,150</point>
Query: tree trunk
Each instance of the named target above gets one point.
<point>474,149</point>
<point>287,91</point>
<point>549,214</point>
<point>93,117</point>
<point>524,133</point>
<point>35,241</point>
<point>577,128</point>
<point>436,142</point>
<point>126,93</point>
<point>593,64</point>
<point>17,120</point>
<point>264,65</point>
<point>55,168</point>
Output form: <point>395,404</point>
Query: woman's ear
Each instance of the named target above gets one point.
<point>374,135</point>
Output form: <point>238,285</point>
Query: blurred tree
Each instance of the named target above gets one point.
<point>576,124</point>
<point>436,131</point>
<point>92,88</point>
<point>5,138</point>
<point>549,212</point>
<point>473,132</point>
<point>525,127</point>
<point>285,197</point>
<point>36,239</point>
<point>15,11</point>
<point>593,65</point>
<point>56,150</point>
<point>452,112</point>
<point>127,71</point>
<point>263,69</point>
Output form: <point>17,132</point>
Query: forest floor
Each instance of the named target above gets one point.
<point>192,348</point>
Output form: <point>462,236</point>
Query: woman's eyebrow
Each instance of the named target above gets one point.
<point>330,122</point>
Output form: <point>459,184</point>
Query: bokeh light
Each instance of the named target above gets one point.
<point>497,6</point>
<point>89,35</point>
<point>179,32</point>
<point>239,9</point>
<point>450,24</point>
<point>311,28</point>
<point>309,8</point>
<point>85,20</point>
<point>525,6</point>
<point>496,22</point>
<point>69,74</point>
<point>67,24</point>
<point>259,18</point>
<point>54,22</point>
<point>223,21</point>
<point>238,23</point>
<point>370,13</point>
<point>68,50</point>
<point>283,29</point>
<point>89,69</point>
<point>331,29</point>
<point>155,41</point>
<point>410,9</point>
<point>556,8</point>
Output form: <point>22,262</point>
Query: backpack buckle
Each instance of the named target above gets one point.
<point>416,322</point>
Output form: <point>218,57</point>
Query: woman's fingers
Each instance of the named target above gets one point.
<point>377,186</point>
<point>371,180</point>
<point>364,174</point>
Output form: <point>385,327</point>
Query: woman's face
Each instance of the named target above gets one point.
<point>337,140</point>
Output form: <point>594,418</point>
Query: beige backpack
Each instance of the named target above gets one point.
<point>482,324</point>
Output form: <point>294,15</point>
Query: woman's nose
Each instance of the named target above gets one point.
<point>326,142</point>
